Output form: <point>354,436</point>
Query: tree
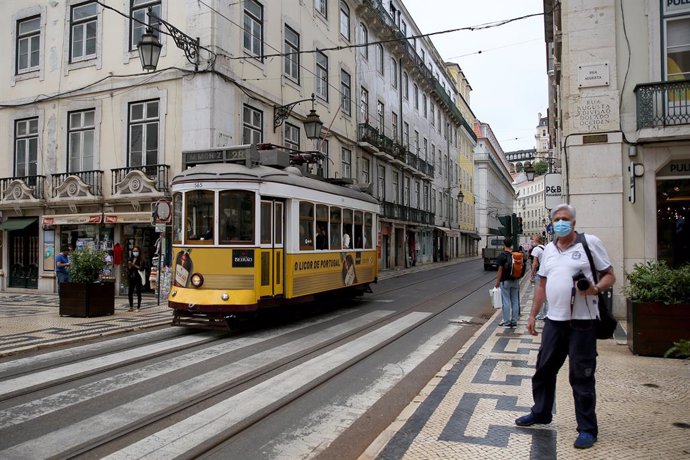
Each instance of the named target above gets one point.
<point>540,168</point>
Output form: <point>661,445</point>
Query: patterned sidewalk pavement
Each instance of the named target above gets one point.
<point>468,409</point>
<point>31,321</point>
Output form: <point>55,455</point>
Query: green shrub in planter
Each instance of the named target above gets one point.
<point>87,265</point>
<point>657,282</point>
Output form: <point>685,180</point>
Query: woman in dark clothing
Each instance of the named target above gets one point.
<point>135,265</point>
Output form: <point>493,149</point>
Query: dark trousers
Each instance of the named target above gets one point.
<point>577,341</point>
<point>134,284</point>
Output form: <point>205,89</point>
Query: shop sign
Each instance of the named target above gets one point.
<point>676,168</point>
<point>553,192</point>
<point>71,219</point>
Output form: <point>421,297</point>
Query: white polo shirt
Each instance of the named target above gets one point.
<point>559,267</point>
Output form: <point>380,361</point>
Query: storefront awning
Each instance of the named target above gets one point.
<point>474,236</point>
<point>127,217</point>
<point>449,231</point>
<point>72,219</point>
<point>443,229</point>
<point>17,224</point>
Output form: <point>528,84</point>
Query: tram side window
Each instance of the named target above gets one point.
<point>347,229</point>
<point>306,226</point>
<point>265,224</point>
<point>368,227</point>
<point>177,219</point>
<point>278,222</point>
<point>236,217</point>
<point>336,222</point>
<point>359,230</point>
<point>200,216</point>
<point>321,226</point>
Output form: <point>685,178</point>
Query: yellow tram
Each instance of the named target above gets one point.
<point>251,231</point>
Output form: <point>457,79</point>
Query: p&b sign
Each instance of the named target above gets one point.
<point>553,190</point>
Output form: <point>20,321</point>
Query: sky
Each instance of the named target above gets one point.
<point>508,78</point>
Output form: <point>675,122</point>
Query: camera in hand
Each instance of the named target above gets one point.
<point>581,281</point>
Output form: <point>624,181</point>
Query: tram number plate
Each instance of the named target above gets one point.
<point>242,258</point>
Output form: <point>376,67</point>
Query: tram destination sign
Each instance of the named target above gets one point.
<point>243,154</point>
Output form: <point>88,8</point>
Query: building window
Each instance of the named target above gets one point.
<point>81,140</point>
<point>406,134</point>
<point>394,69</point>
<point>415,94</point>
<point>381,183</point>
<point>140,20</point>
<point>28,44</point>
<point>143,133</point>
<point>433,114</point>
<point>291,54</point>
<point>364,105</point>
<point>678,49</point>
<point>254,28</point>
<point>379,58</point>
<point>291,136</point>
<point>396,187</point>
<point>424,106</point>
<point>84,28</point>
<point>406,85</point>
<point>346,162</point>
<point>394,125</point>
<point>381,114</point>
<point>26,147</point>
<point>344,20</point>
<point>322,75</point>
<point>416,141</point>
<point>346,92</point>
<point>321,6</point>
<point>252,125</point>
<point>365,170</point>
<point>364,39</point>
<point>406,191</point>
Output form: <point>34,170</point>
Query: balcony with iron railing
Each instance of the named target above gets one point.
<point>157,176</point>
<point>77,185</point>
<point>405,213</point>
<point>21,189</point>
<point>664,104</point>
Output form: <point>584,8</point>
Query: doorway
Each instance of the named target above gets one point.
<point>23,253</point>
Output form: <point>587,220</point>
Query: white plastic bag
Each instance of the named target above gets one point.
<point>495,295</point>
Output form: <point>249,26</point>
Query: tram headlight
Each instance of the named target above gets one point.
<point>197,280</point>
<point>224,296</point>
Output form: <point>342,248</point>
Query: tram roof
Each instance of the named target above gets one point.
<point>229,172</point>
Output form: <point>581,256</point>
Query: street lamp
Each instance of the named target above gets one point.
<point>150,48</point>
<point>461,196</point>
<point>529,172</point>
<point>312,125</point>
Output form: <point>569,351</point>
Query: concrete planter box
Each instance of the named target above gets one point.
<point>653,327</point>
<point>87,299</point>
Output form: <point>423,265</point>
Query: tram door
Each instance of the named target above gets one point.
<point>271,249</point>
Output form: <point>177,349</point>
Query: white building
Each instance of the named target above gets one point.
<point>91,141</point>
<point>493,187</point>
<point>619,75</point>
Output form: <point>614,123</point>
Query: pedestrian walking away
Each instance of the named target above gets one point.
<point>510,286</point>
<point>136,274</point>
<point>565,279</point>
<point>535,254</point>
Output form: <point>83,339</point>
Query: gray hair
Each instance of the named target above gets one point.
<point>562,206</point>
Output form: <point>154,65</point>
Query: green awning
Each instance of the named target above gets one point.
<point>17,224</point>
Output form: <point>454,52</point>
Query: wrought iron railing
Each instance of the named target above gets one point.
<point>665,103</point>
<point>93,179</point>
<point>35,183</point>
<point>406,213</point>
<point>157,173</point>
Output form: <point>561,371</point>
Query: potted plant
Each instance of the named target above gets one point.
<point>658,307</point>
<point>86,294</point>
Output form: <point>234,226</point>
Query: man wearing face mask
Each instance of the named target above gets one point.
<point>135,267</point>
<point>569,326</point>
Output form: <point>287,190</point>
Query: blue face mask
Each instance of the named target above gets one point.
<point>562,228</point>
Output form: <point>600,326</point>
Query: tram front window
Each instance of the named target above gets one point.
<point>200,217</point>
<point>236,217</point>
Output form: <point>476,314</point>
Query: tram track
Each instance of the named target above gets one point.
<point>404,321</point>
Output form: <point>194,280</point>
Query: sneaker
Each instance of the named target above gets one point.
<point>585,440</point>
<point>529,420</point>
<point>504,323</point>
<point>513,324</point>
